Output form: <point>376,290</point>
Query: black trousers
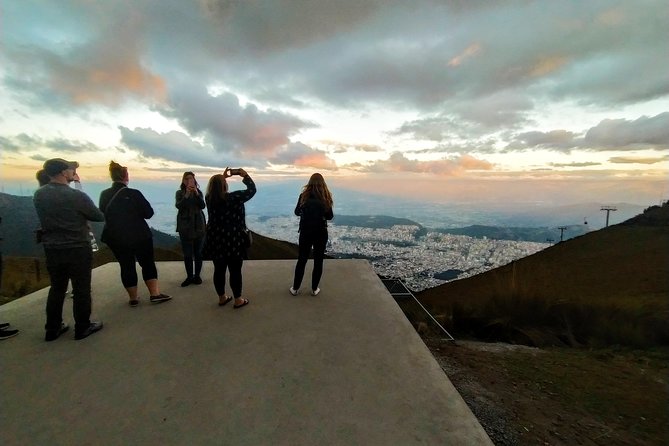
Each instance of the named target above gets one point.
<point>235,268</point>
<point>142,252</point>
<point>192,251</point>
<point>308,239</point>
<point>64,265</point>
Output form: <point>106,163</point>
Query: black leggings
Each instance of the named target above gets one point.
<point>308,239</point>
<point>192,251</point>
<point>235,268</point>
<point>142,252</point>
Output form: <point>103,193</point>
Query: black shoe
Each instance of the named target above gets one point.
<point>159,298</point>
<point>52,335</point>
<point>197,280</point>
<point>4,325</point>
<point>187,282</point>
<point>92,328</point>
<point>6,334</point>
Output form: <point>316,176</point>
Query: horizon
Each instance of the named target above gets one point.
<point>547,102</point>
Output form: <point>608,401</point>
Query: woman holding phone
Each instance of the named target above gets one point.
<point>226,240</point>
<point>190,226</point>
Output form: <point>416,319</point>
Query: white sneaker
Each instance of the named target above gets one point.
<point>315,292</point>
<point>292,291</point>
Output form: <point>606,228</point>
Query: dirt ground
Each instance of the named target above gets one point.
<point>528,396</point>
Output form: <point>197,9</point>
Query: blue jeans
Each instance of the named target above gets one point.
<point>192,251</point>
<point>63,265</point>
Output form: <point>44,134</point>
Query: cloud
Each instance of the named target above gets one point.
<point>556,140</point>
<point>637,160</point>
<point>621,134</point>
<point>397,162</point>
<point>106,68</point>
<point>301,155</point>
<point>244,131</point>
<point>25,143</point>
<point>575,164</point>
<point>338,147</point>
<point>173,146</point>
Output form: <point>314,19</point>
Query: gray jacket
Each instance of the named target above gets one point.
<point>64,214</point>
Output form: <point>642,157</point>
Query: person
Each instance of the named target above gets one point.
<point>226,239</point>
<point>6,331</point>
<point>128,235</point>
<point>64,214</point>
<point>314,207</point>
<point>190,226</point>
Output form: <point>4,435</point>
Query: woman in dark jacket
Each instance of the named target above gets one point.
<point>128,235</point>
<point>227,237</point>
<point>190,226</point>
<point>314,207</point>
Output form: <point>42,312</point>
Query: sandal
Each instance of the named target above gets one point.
<point>246,302</point>
<point>223,302</point>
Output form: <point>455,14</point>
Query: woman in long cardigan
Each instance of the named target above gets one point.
<point>190,226</point>
<point>226,240</point>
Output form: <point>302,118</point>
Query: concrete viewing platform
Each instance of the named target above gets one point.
<point>342,368</point>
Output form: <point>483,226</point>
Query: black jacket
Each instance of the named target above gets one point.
<point>125,216</point>
<point>313,214</point>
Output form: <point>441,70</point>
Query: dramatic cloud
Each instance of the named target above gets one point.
<point>25,143</point>
<point>244,131</point>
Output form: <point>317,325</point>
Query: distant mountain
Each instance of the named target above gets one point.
<point>606,287</point>
<point>372,221</point>
<point>541,235</point>
<point>19,221</point>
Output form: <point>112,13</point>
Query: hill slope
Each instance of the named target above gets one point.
<point>608,286</point>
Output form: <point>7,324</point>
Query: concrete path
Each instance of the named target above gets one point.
<point>342,368</point>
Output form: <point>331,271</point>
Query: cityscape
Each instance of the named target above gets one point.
<point>420,258</point>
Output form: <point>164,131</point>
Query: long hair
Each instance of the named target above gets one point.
<point>316,187</point>
<point>118,172</point>
<point>183,177</point>
<point>217,190</point>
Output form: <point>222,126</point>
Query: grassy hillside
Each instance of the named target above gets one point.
<point>606,287</point>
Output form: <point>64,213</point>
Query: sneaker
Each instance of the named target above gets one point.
<point>159,298</point>
<point>133,302</point>
<point>315,292</point>
<point>52,335</point>
<point>293,291</point>
<point>6,334</point>
<point>4,325</point>
<point>186,282</point>
<point>197,280</point>
<point>92,328</point>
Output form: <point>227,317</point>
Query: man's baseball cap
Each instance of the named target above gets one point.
<point>55,166</point>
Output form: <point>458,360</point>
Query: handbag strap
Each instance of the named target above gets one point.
<point>112,199</point>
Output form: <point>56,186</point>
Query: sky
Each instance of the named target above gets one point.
<point>550,102</point>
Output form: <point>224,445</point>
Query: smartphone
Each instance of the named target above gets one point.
<point>234,171</point>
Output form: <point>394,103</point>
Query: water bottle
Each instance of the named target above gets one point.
<point>94,243</point>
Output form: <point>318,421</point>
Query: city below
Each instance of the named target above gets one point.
<point>420,258</point>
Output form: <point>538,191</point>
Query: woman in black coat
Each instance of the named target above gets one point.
<point>227,238</point>
<point>128,235</point>
<point>190,226</point>
<point>314,207</point>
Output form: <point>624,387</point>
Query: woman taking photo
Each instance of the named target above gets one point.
<point>314,207</point>
<point>127,234</point>
<point>227,238</point>
<point>190,226</point>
